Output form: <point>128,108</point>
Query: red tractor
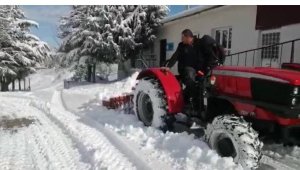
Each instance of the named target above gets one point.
<point>243,107</point>
<point>291,66</point>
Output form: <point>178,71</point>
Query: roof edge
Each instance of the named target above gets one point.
<point>190,12</point>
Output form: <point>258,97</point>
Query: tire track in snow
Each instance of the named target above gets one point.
<point>36,160</point>
<point>57,150</point>
<point>14,157</point>
<point>41,145</point>
<point>6,155</point>
<point>275,163</point>
<point>12,147</point>
<point>21,161</point>
<point>129,148</point>
<point>140,158</point>
<point>92,144</point>
<point>132,153</point>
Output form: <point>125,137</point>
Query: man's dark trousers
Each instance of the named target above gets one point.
<point>192,90</point>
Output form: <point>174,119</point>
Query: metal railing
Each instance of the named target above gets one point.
<point>254,57</point>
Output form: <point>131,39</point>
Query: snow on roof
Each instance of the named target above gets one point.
<point>189,12</point>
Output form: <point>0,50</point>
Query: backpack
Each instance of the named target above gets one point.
<point>214,52</point>
<point>219,53</point>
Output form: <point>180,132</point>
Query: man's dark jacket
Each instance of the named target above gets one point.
<point>198,55</point>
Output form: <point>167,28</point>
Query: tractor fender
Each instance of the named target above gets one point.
<point>170,85</point>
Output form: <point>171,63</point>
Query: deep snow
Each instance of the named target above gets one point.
<point>73,131</point>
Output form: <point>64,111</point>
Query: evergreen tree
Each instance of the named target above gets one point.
<point>20,51</point>
<point>107,33</point>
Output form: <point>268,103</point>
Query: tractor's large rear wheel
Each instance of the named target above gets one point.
<point>150,104</point>
<point>232,136</point>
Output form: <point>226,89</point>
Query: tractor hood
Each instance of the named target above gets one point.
<point>269,85</point>
<point>272,74</point>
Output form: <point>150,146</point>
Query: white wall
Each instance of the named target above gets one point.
<point>287,33</point>
<point>241,18</point>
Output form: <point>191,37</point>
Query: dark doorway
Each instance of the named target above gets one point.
<point>163,52</point>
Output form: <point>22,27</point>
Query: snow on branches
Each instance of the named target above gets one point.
<point>20,51</point>
<point>108,33</point>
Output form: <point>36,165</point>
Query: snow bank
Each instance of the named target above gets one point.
<point>178,150</point>
<point>104,90</point>
<point>48,78</point>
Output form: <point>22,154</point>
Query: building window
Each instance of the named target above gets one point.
<point>270,39</point>
<point>224,37</point>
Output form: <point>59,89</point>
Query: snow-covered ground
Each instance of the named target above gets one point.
<point>55,128</point>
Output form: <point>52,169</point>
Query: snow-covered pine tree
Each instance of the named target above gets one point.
<point>154,15</point>
<point>139,26</point>
<point>69,29</point>
<point>20,51</point>
<point>110,33</point>
<point>85,39</point>
<point>7,62</point>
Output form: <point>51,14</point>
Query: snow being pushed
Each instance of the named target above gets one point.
<point>106,90</point>
<point>122,87</point>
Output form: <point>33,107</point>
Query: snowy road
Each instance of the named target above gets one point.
<point>59,139</point>
<point>41,145</point>
<point>100,144</point>
<point>52,128</point>
<point>56,140</point>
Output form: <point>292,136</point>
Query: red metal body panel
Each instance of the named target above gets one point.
<point>248,108</point>
<point>235,82</point>
<point>171,86</point>
<point>291,66</point>
<point>287,76</point>
<point>267,115</point>
<point>233,86</point>
<point>262,114</point>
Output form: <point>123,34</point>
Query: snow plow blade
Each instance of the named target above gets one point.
<point>122,102</point>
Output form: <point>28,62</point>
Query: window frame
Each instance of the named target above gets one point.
<point>229,30</point>
<point>269,51</point>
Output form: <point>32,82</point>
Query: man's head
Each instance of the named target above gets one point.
<point>187,36</point>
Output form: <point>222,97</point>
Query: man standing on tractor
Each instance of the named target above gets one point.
<point>194,55</point>
<point>158,98</point>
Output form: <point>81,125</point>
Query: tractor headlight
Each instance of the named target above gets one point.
<point>296,90</point>
<point>213,80</point>
<point>294,101</point>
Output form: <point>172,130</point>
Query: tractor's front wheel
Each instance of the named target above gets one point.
<point>150,104</point>
<point>232,136</point>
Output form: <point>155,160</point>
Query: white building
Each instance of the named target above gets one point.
<point>237,28</point>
